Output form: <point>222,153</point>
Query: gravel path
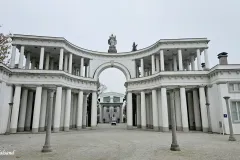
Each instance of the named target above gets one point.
<point>116,143</point>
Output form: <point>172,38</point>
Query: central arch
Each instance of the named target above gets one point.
<point>106,65</point>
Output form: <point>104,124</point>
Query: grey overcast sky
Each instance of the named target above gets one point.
<point>89,23</point>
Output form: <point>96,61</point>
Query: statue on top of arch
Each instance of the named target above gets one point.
<point>112,41</point>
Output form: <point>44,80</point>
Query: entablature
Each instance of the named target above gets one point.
<point>29,40</point>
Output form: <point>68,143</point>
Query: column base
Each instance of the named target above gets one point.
<point>27,129</point>
<point>41,129</point>
<point>198,128</point>
<point>179,128</point>
<point>20,129</point>
<point>66,129</point>
<point>55,130</point>
<point>175,147</point>
<point>185,129</point>
<point>156,129</point>
<point>231,138</point>
<point>93,127</point>
<point>34,130</point>
<point>13,130</point>
<point>84,126</point>
<point>46,149</point>
<point>192,127</point>
<point>138,126</point>
<point>129,127</point>
<point>144,127</point>
<point>165,129</point>
<point>79,127</point>
<point>61,128</point>
<point>205,130</point>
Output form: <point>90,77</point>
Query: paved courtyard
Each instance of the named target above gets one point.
<point>117,143</point>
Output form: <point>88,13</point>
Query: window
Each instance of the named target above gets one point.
<point>235,110</point>
<point>234,87</point>
<point>106,99</point>
<point>116,99</point>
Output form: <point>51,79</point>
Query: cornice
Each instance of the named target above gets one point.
<point>63,43</point>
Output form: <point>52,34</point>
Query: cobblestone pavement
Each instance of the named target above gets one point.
<point>116,143</point>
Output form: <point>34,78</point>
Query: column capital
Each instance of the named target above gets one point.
<point>201,86</point>
<point>209,85</point>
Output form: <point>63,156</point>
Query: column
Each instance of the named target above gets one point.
<point>178,110</point>
<point>70,63</point>
<point>29,111</point>
<point>190,110</point>
<point>143,110</point>
<point>188,66</point>
<point>43,110</point>
<point>199,60</point>
<point>36,111</point>
<point>196,110</point>
<point>153,64</point>
<point>157,64</point>
<point>81,67</point>
<point>33,63</point>
<point>13,56</point>
<point>129,111</point>
<point>66,63</point>
<point>184,109</point>
<point>20,64</point>
<point>142,67</point>
<point>94,110</point>
<point>164,104</point>
<point>84,118</point>
<point>71,111</point>
<point>27,65</point>
<point>100,114</point>
<point>206,58</point>
<point>51,64</point>
<point>23,108</point>
<point>175,62</point>
<point>162,60</point>
<point>180,64</point>
<point>147,109</point>
<point>203,109</point>
<point>15,109</point>
<point>86,71</point>
<point>79,110</point>
<point>170,65</point>
<point>47,61</point>
<point>63,109</point>
<point>60,67</point>
<point>57,112</point>
<point>138,111</point>
<point>41,58</point>
<point>192,63</point>
<point>67,110</point>
<point>154,110</point>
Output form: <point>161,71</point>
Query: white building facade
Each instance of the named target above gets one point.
<point>170,72</point>
<point>111,104</point>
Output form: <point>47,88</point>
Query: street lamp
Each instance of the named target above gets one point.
<point>47,146</point>
<point>231,136</point>
<point>9,118</point>
<point>174,145</point>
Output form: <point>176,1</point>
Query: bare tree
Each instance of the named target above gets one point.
<point>101,88</point>
<point>5,44</point>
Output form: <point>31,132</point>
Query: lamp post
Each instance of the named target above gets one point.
<point>47,146</point>
<point>231,136</point>
<point>174,145</point>
<point>9,119</point>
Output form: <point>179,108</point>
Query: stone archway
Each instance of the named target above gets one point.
<point>112,64</point>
